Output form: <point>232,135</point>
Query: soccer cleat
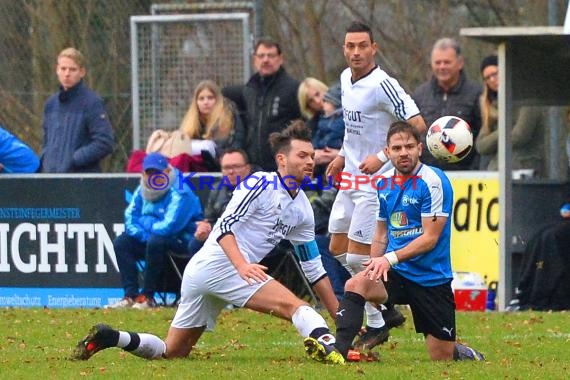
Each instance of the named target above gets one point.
<point>393,317</point>
<point>325,353</point>
<point>142,302</point>
<point>464,352</point>
<point>100,337</point>
<point>123,303</point>
<point>371,337</point>
<point>357,356</point>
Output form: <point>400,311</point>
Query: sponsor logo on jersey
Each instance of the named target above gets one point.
<point>399,219</point>
<point>407,200</point>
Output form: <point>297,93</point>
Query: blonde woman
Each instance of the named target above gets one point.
<point>213,117</point>
<point>310,94</point>
<point>527,137</point>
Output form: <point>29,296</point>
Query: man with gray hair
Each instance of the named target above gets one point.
<point>449,93</point>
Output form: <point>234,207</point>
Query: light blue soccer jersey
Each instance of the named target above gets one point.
<point>402,207</point>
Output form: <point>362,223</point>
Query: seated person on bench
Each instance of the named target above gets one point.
<point>545,275</point>
<point>162,216</point>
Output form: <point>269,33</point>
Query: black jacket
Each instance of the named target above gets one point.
<point>462,101</point>
<point>271,103</point>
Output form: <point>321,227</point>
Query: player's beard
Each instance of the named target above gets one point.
<point>408,168</point>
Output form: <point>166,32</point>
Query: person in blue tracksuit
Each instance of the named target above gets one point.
<point>15,156</point>
<point>164,214</point>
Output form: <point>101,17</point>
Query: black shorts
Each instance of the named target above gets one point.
<point>433,308</point>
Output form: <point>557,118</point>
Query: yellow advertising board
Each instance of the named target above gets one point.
<point>475,227</point>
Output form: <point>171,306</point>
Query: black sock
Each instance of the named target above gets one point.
<point>134,343</point>
<point>348,320</point>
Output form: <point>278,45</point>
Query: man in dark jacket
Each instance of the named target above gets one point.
<point>77,131</point>
<point>449,93</point>
<point>271,102</point>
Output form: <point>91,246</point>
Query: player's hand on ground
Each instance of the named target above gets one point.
<point>335,167</point>
<point>370,165</point>
<point>253,273</point>
<point>377,268</point>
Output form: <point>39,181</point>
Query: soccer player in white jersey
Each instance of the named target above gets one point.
<point>265,208</point>
<point>371,101</point>
<point>410,255</point>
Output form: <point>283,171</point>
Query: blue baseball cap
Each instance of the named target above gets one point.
<point>155,161</point>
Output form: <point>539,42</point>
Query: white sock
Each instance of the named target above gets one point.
<point>342,260</point>
<point>373,316</point>
<point>306,319</point>
<point>356,262</point>
<point>124,339</point>
<point>149,347</point>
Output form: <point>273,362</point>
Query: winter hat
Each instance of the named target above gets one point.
<point>490,60</point>
<point>333,95</point>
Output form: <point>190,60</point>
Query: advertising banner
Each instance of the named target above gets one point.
<point>475,228</point>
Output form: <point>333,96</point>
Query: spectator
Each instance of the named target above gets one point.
<point>15,156</point>
<point>311,94</point>
<point>449,93</point>
<point>271,101</point>
<point>163,215</point>
<point>211,116</point>
<point>77,131</point>
<point>329,135</point>
<point>235,167</point>
<point>545,272</point>
<point>527,137</point>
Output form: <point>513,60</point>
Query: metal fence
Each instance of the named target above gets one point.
<point>171,54</point>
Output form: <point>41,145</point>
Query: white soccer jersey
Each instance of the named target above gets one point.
<point>260,214</point>
<point>369,106</point>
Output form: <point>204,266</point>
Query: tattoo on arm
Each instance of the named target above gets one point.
<point>382,243</point>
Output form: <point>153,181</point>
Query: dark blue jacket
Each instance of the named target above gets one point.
<point>77,131</point>
<point>330,131</point>
<point>15,156</point>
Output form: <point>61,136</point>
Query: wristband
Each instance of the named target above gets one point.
<point>382,156</point>
<point>392,258</point>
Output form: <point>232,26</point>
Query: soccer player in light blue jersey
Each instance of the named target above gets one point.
<point>410,253</point>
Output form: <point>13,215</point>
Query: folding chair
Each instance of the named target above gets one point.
<point>168,289</point>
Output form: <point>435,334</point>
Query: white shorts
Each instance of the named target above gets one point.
<point>354,213</point>
<point>210,283</point>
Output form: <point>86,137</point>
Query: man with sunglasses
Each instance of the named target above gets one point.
<point>270,98</point>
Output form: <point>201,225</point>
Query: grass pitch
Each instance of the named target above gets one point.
<point>37,343</point>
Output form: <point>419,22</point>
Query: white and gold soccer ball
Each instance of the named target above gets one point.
<point>449,138</point>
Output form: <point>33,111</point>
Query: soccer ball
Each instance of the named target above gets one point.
<point>449,138</point>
